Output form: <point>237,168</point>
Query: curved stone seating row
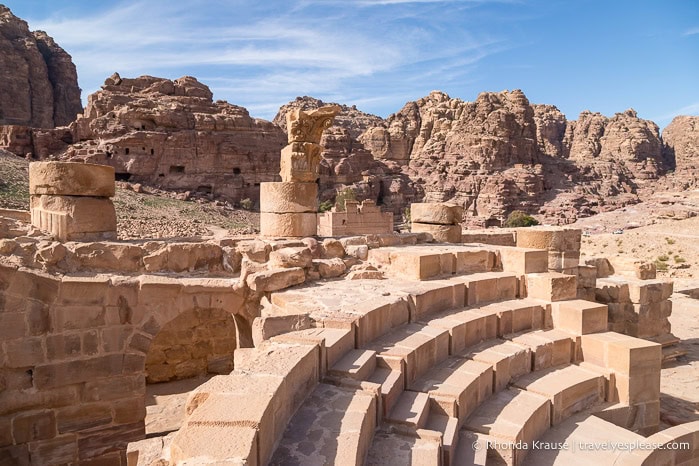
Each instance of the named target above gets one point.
<point>371,343</point>
<point>589,439</point>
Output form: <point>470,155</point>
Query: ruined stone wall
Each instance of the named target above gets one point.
<point>198,342</point>
<point>73,358</point>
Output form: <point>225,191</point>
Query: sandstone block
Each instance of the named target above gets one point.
<point>551,286</point>
<point>550,238</point>
<point>288,197</point>
<point>523,260</point>
<point>330,268</point>
<point>295,225</point>
<point>579,317</point>
<point>71,179</point>
<point>276,279</point>
<point>436,213</point>
<point>332,248</point>
<point>414,265</point>
<point>649,291</point>
<point>74,218</point>
<point>440,233</point>
<point>290,257</point>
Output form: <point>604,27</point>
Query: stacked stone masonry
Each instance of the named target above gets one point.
<point>357,219</point>
<point>72,201</point>
<point>442,221</point>
<point>444,346</point>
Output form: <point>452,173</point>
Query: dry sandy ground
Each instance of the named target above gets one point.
<point>665,235</point>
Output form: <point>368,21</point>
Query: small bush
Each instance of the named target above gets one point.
<point>325,206</point>
<point>680,260</point>
<point>406,215</point>
<point>246,204</point>
<point>661,266</point>
<point>519,219</point>
<point>670,240</point>
<point>663,258</point>
<point>346,194</point>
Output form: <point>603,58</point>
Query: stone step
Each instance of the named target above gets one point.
<point>457,386</point>
<point>333,426</point>
<point>429,261</point>
<point>465,326</point>
<point>512,416</point>
<point>389,449</point>
<point>392,385</point>
<point>448,428</point>
<point>357,364</point>
<point>584,440</point>
<point>411,409</point>
<point>516,315</point>
<point>412,349</point>
<point>570,389</point>
<point>334,343</point>
<point>548,347</point>
<point>472,449</point>
<point>552,286</point>
<point>489,286</point>
<point>508,360</point>
<point>579,316</point>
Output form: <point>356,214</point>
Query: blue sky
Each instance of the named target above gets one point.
<point>599,55</point>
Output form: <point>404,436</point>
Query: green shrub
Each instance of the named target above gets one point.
<point>680,260</point>
<point>246,204</point>
<point>325,206</point>
<point>663,258</point>
<point>670,240</point>
<point>661,266</point>
<point>519,219</point>
<point>346,194</point>
<point>406,215</point>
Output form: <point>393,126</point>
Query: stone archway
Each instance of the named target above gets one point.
<point>198,342</point>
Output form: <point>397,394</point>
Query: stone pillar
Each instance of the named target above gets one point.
<point>442,221</point>
<point>71,201</point>
<point>289,208</point>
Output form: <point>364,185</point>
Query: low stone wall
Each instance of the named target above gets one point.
<point>73,358</point>
<point>197,342</point>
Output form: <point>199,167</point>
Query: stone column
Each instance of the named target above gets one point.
<point>71,201</point>
<point>289,208</point>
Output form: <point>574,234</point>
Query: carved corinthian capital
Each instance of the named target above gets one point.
<point>309,126</point>
<point>301,158</point>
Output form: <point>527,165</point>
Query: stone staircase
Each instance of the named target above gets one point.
<point>464,355</point>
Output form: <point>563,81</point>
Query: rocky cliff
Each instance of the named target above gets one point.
<point>501,153</point>
<point>38,81</point>
<point>172,134</point>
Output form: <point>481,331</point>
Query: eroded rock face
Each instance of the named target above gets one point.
<point>172,134</point>
<point>501,153</point>
<point>681,138</point>
<point>38,80</point>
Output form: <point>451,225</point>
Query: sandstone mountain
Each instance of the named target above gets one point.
<point>497,154</point>
<point>38,80</point>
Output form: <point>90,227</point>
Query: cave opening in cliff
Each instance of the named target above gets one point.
<point>236,171</point>
<point>122,176</point>
<point>176,168</point>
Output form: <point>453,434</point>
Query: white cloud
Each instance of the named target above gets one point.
<point>254,53</point>
<point>691,32</point>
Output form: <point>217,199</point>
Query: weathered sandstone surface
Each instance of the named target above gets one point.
<point>38,81</point>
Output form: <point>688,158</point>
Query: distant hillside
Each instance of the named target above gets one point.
<point>14,181</point>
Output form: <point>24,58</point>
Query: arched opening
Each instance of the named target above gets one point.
<point>186,352</point>
<point>198,342</point>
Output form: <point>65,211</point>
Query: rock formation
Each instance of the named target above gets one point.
<point>38,81</point>
<point>172,134</point>
<point>681,138</point>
